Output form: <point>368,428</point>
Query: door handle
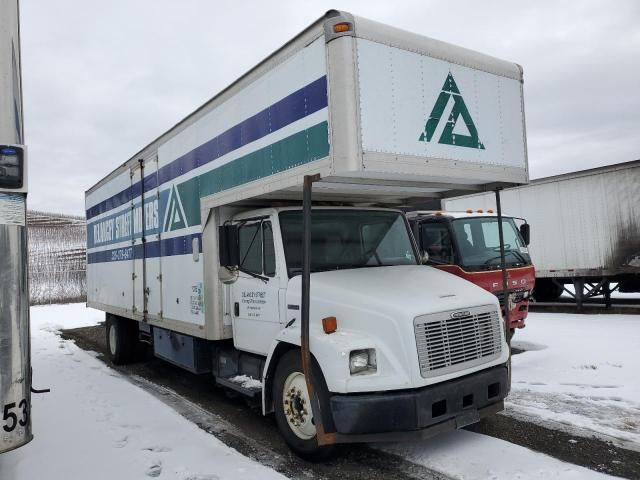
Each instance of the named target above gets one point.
<point>236,309</point>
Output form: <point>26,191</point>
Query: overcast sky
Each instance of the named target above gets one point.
<point>104,78</point>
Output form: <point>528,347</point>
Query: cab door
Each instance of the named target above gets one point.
<point>255,294</point>
<point>436,240</point>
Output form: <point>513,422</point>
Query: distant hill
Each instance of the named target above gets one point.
<point>57,258</point>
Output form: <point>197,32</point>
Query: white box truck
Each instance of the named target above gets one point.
<point>199,244</point>
<point>585,229</point>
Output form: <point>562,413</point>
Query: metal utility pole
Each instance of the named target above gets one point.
<point>15,355</point>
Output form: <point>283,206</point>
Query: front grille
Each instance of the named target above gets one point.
<point>451,341</point>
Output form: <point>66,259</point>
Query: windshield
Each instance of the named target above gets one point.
<point>342,239</point>
<point>479,244</point>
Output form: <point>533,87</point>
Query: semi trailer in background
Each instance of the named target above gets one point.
<point>258,240</point>
<point>585,229</point>
<point>467,244</point>
<point>15,355</point>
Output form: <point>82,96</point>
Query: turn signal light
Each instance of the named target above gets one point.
<point>329,324</point>
<point>342,27</point>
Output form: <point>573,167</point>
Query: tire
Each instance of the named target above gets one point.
<point>122,339</point>
<point>546,290</point>
<point>301,439</point>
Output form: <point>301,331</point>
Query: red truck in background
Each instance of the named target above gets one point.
<point>467,245</point>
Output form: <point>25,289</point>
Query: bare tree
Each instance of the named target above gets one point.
<point>57,258</point>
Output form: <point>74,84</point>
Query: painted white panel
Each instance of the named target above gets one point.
<point>113,186</point>
<point>399,90</point>
<point>153,283</point>
<point>117,291</point>
<point>294,73</point>
<point>182,288</point>
<point>577,223</point>
<point>258,321</point>
<point>284,132</point>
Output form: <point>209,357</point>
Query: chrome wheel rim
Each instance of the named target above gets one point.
<point>297,407</point>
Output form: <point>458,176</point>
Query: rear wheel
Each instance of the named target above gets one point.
<point>122,339</point>
<point>292,406</point>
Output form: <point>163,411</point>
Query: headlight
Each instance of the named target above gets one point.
<point>363,361</point>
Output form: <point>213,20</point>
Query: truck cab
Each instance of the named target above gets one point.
<point>467,244</point>
<point>381,320</point>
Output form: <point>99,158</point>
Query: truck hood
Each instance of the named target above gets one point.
<point>410,290</point>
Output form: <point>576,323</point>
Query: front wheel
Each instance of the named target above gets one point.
<point>293,406</point>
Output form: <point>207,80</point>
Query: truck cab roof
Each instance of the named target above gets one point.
<point>453,215</point>
<point>267,211</point>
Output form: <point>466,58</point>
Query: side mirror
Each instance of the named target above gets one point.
<point>228,246</point>
<point>525,231</point>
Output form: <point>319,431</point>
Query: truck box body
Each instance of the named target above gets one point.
<point>198,237</point>
<point>583,224</point>
<point>377,113</point>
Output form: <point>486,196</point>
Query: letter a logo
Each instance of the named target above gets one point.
<point>448,137</point>
<point>174,217</point>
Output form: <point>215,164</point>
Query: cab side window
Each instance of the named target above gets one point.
<point>436,241</point>
<point>250,240</point>
<point>257,251</point>
<point>269,256</point>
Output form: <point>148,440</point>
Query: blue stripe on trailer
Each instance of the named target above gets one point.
<point>167,247</point>
<point>301,103</point>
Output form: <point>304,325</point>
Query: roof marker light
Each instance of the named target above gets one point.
<point>479,210</point>
<point>469,210</point>
<point>342,27</point>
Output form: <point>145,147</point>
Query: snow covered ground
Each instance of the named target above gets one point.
<point>581,373</point>
<point>466,455</point>
<point>94,424</point>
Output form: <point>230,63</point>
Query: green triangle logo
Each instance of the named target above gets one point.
<point>174,217</point>
<point>448,136</point>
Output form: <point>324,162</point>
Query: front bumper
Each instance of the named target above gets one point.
<point>420,413</point>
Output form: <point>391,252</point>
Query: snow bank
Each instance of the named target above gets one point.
<point>94,424</point>
<point>246,381</point>
<point>581,373</point>
<point>472,456</point>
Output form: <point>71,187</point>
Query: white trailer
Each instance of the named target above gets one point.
<point>201,240</point>
<point>585,228</point>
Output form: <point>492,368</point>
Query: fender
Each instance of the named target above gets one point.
<point>331,351</point>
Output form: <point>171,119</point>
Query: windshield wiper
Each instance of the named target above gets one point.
<point>513,252</point>
<point>522,259</point>
<point>437,262</point>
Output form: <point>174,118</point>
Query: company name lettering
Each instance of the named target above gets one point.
<point>125,225</point>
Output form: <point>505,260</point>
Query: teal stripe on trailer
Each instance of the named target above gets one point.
<point>295,150</point>
<point>298,149</point>
<point>299,104</point>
